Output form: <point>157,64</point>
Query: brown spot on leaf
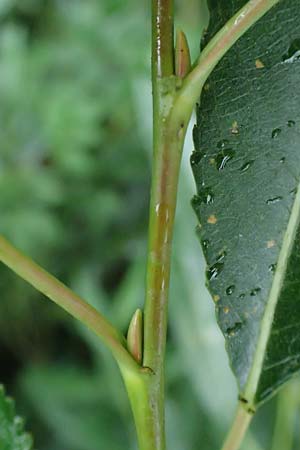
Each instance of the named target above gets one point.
<point>234,128</point>
<point>259,64</point>
<point>212,219</point>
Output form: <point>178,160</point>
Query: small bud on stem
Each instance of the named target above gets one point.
<point>135,336</point>
<point>182,55</point>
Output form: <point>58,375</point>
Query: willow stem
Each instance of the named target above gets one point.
<point>162,39</point>
<point>238,429</point>
<point>166,161</point>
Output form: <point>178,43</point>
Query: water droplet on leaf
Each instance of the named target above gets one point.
<point>276,132</point>
<point>230,290</point>
<point>222,144</point>
<point>231,331</point>
<point>206,196</point>
<point>255,291</point>
<point>223,157</point>
<point>293,53</point>
<point>273,200</point>
<point>205,243</point>
<point>221,256</point>
<point>246,166</point>
<point>214,270</point>
<point>196,158</point>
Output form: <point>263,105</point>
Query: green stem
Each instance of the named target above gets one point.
<point>162,39</point>
<point>68,300</point>
<point>140,392</point>
<point>167,156</point>
<point>166,161</point>
<point>238,429</point>
<point>168,143</point>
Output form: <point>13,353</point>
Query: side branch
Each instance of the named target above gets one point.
<point>216,49</point>
<point>68,300</point>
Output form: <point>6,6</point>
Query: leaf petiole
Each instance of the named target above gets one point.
<point>56,291</point>
<point>238,429</point>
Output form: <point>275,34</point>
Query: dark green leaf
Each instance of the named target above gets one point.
<point>12,435</point>
<point>247,171</point>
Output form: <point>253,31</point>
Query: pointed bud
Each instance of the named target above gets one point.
<point>182,55</point>
<point>135,336</point>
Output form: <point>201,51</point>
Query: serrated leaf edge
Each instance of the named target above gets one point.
<point>9,401</point>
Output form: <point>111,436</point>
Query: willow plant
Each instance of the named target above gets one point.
<point>255,341</point>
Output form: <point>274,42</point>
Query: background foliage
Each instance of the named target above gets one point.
<point>75,133</point>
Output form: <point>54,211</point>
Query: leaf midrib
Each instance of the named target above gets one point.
<point>267,320</point>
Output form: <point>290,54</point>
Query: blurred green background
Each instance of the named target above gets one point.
<point>75,159</point>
